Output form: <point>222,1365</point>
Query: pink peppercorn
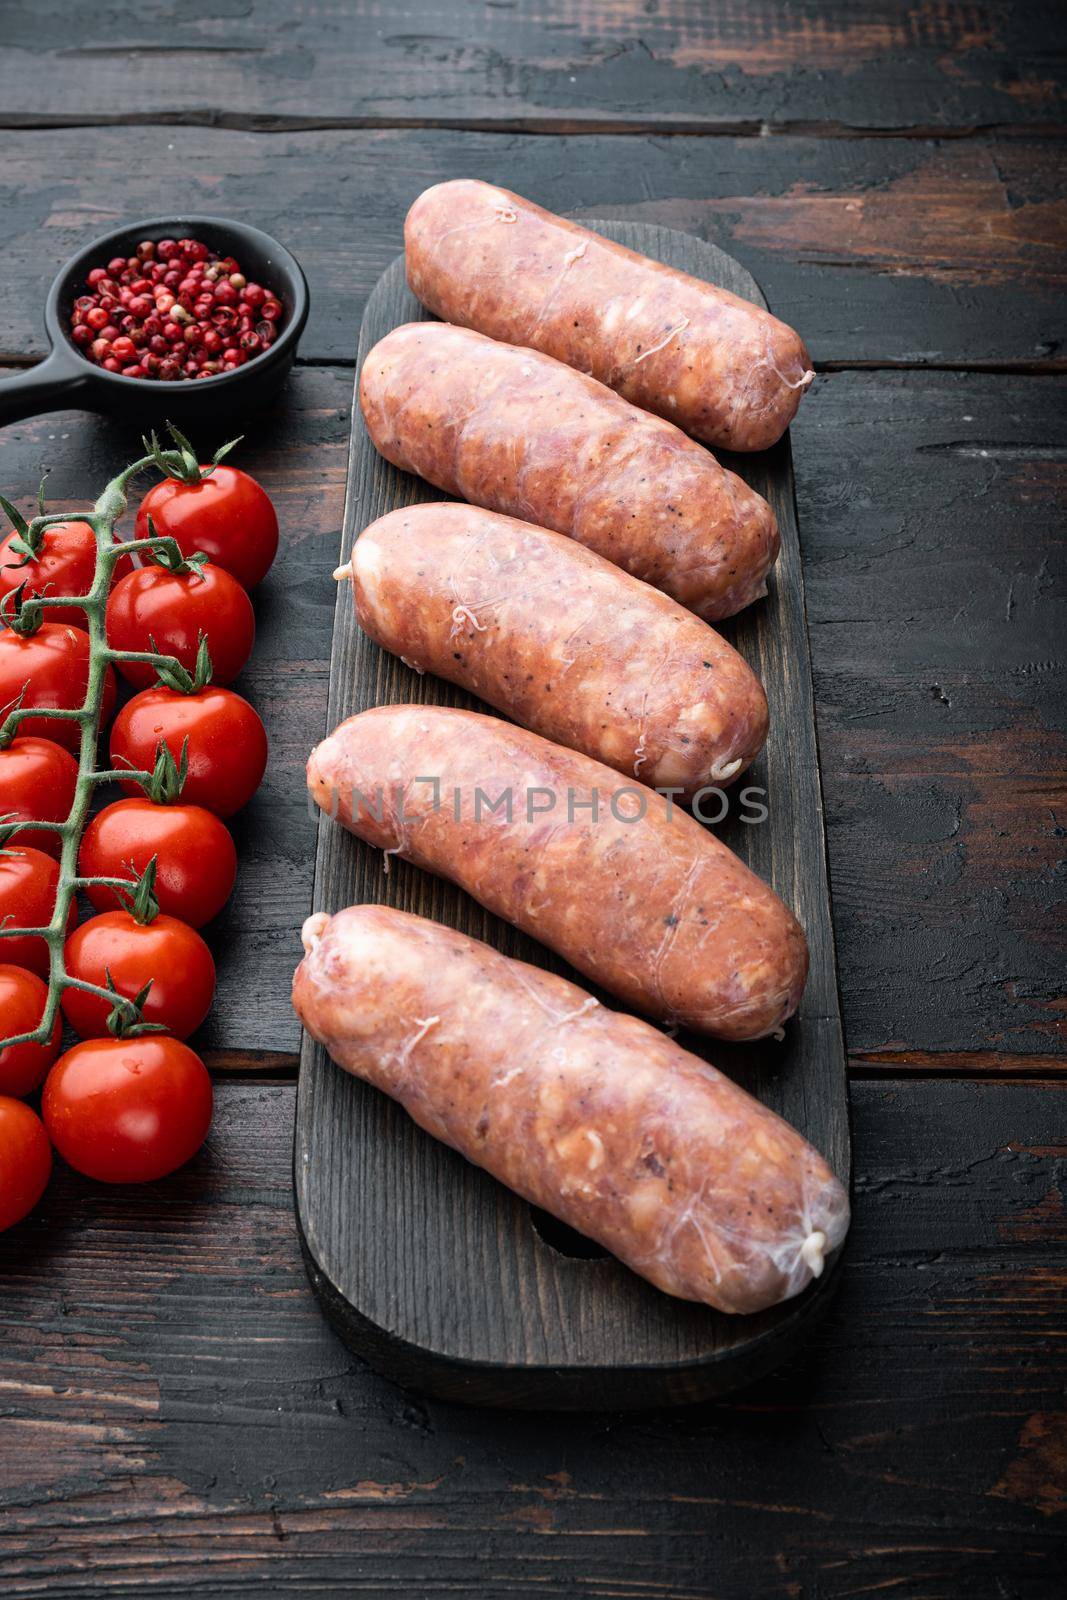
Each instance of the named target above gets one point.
<point>173,310</point>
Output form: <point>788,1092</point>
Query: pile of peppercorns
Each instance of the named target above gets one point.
<point>173,310</point>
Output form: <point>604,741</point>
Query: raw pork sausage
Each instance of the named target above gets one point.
<point>596,1117</point>
<point>627,887</point>
<point>517,432</point>
<point>559,640</point>
<point>718,366</point>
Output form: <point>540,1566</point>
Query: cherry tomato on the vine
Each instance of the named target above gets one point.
<point>227,743</point>
<point>196,863</point>
<point>227,515</point>
<point>28,882</point>
<point>22,1001</point>
<point>128,1110</point>
<point>25,1161</point>
<point>37,782</point>
<point>165,952</point>
<point>50,669</point>
<point>155,609</point>
<point>65,563</point>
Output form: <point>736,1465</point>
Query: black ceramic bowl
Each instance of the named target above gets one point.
<point>66,379</point>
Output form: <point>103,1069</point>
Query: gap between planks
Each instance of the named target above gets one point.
<point>1048,367</point>
<point>562,127</point>
<point>896,1066</point>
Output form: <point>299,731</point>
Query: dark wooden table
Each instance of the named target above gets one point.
<point>175,1417</point>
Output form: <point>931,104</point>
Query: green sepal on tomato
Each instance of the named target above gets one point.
<point>196,862</point>
<point>23,998</point>
<point>170,610</point>
<point>60,561</point>
<point>25,1161</point>
<point>116,951</point>
<point>128,1110</point>
<point>48,669</point>
<point>63,562</point>
<point>217,509</point>
<point>37,783</point>
<point>28,883</point>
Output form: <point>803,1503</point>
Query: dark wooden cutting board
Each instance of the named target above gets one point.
<point>436,1274</point>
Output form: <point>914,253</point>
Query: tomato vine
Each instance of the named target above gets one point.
<point>25,615</point>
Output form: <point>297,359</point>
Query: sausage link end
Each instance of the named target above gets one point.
<point>313,930</point>
<point>812,1252</point>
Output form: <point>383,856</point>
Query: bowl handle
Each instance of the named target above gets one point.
<point>49,386</point>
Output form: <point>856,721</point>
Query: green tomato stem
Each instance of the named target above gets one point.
<point>133,773</point>
<point>14,718</point>
<point>148,656</point>
<point>161,541</point>
<point>101,993</point>
<point>102,519</point>
<point>44,600</point>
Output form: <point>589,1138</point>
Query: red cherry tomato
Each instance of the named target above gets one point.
<point>128,1110</point>
<point>168,611</point>
<point>28,882</point>
<point>196,863</point>
<point>52,667</point>
<point>227,743</point>
<point>22,1001</point>
<point>228,516</point>
<point>37,782</point>
<point>25,1161</point>
<point>65,564</point>
<point>165,951</point>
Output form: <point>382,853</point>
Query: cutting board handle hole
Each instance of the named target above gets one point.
<point>565,1240</point>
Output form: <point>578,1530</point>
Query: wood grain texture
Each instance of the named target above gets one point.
<point>931,509</point>
<point>921,251</point>
<point>177,1419</point>
<point>580,64</point>
<point>938,619</point>
<point>430,1269</point>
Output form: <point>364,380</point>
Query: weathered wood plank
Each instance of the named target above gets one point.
<point>905,251</point>
<point>606,63</point>
<point>932,531</point>
<point>889,1062</point>
<point>935,594</point>
<point>177,1418</point>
